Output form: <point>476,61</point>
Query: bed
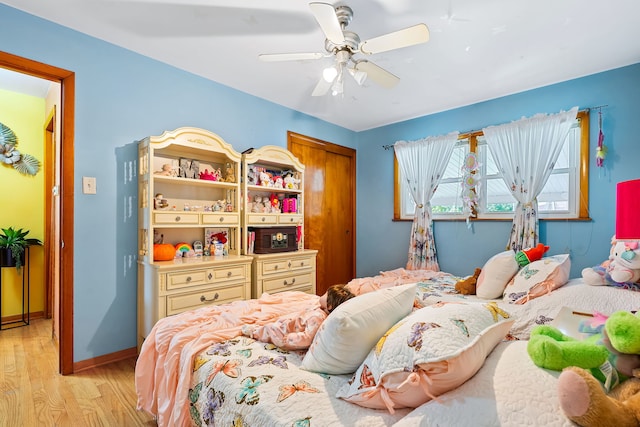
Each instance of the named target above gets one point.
<point>196,368</point>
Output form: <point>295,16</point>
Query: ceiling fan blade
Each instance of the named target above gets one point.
<point>322,87</point>
<point>275,57</point>
<point>378,74</point>
<point>326,16</point>
<point>396,40</point>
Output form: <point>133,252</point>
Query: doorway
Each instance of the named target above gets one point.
<point>329,207</point>
<point>63,243</point>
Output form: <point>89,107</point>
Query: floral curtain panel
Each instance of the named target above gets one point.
<point>525,152</point>
<point>422,164</point>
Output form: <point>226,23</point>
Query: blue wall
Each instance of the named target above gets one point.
<point>122,97</point>
<point>383,244</point>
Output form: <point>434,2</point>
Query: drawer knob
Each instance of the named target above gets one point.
<point>178,218</point>
<point>264,219</point>
<point>275,267</point>
<point>289,264</point>
<point>204,299</point>
<point>228,274</point>
<point>210,276</point>
<point>293,281</point>
<point>221,219</point>
<point>188,278</point>
<point>301,263</point>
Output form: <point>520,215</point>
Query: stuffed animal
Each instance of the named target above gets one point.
<point>622,269</point>
<point>265,179</point>
<point>527,256</point>
<point>467,286</point>
<point>582,397</point>
<point>549,348</point>
<point>290,181</point>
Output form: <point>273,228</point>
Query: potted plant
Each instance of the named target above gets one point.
<point>12,245</point>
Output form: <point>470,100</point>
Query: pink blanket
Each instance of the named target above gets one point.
<point>387,279</point>
<point>164,367</point>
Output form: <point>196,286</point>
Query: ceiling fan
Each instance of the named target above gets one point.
<point>343,45</point>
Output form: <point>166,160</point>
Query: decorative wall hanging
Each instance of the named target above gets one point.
<point>23,163</point>
<point>470,183</point>
<point>601,150</point>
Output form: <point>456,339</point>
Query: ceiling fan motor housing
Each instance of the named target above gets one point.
<point>351,43</point>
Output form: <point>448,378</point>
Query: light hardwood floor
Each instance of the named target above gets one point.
<point>32,393</point>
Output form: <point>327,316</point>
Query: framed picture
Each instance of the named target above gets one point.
<point>189,168</point>
<point>213,235</point>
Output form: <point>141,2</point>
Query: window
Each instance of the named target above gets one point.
<point>564,196</point>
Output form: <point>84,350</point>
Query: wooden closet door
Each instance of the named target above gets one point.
<point>330,205</point>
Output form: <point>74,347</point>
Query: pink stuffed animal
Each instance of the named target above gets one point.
<point>621,269</point>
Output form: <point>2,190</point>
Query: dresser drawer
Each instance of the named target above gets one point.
<point>284,265</point>
<point>176,217</point>
<point>226,218</point>
<point>232,272</point>
<point>259,219</point>
<point>188,301</point>
<point>301,262</point>
<point>290,219</point>
<point>186,279</point>
<point>287,283</point>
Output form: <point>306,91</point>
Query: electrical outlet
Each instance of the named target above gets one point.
<point>89,185</point>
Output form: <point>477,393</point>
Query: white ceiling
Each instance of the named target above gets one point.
<point>478,50</point>
<point>23,83</point>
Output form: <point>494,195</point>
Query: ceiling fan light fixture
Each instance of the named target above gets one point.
<point>329,74</point>
<point>358,76</point>
<point>337,88</point>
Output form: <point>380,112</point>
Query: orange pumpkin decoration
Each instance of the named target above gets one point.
<point>163,252</point>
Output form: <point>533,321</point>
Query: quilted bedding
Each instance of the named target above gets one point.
<point>249,383</point>
<point>541,310</point>
<point>234,380</point>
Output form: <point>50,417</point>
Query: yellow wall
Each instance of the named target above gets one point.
<point>22,197</point>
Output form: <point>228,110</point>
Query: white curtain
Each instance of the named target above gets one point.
<point>525,152</point>
<point>422,164</point>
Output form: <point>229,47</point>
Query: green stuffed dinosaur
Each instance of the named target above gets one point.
<point>549,348</point>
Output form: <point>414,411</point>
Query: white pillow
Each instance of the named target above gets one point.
<point>538,278</point>
<point>495,275</point>
<point>354,327</point>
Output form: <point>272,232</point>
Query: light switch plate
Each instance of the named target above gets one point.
<point>89,185</point>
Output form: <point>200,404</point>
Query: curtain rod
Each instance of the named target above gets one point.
<point>599,107</point>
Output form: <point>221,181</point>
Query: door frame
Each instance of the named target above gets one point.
<point>66,79</point>
<point>50,225</point>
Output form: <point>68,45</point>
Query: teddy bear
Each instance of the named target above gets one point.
<point>622,269</point>
<point>582,397</point>
<point>467,286</point>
